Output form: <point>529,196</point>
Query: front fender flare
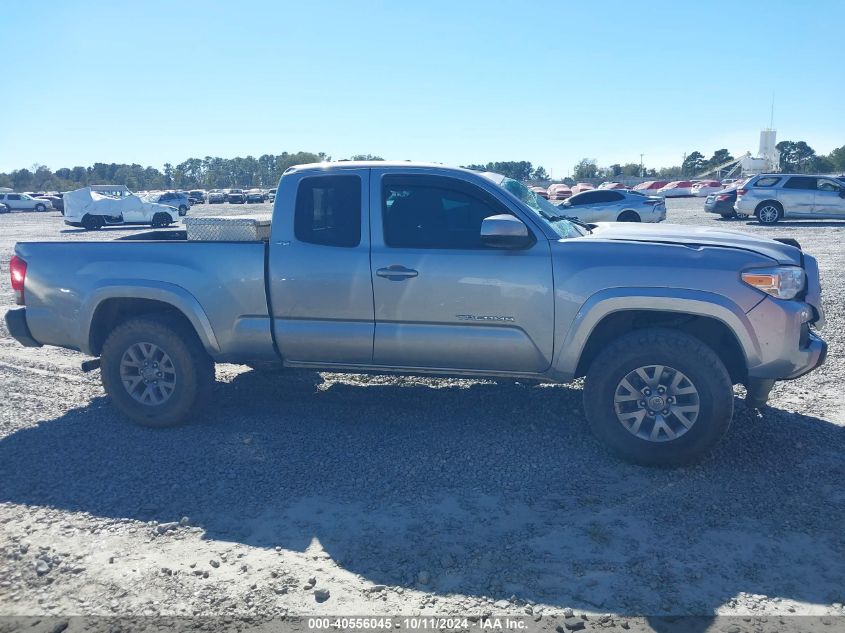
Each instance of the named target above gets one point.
<point>165,292</point>
<point>678,300</point>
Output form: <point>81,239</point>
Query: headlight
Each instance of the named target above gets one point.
<point>783,282</point>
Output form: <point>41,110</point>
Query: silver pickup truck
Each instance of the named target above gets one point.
<point>420,269</point>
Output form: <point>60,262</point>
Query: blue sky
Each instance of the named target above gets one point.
<point>447,81</point>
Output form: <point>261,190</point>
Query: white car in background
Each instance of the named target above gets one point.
<point>24,202</point>
<point>92,210</point>
<point>676,189</point>
<point>704,188</point>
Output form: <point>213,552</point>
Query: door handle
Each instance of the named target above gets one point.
<point>396,273</point>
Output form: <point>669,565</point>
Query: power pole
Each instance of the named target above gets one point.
<point>642,173</point>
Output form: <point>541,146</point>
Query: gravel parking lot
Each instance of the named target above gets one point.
<point>348,494</point>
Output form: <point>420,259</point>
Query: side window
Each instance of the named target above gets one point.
<point>434,212</point>
<point>611,196</point>
<point>14,196</point>
<point>768,181</point>
<point>328,211</point>
<point>588,197</point>
<point>827,185</point>
<point>800,182</point>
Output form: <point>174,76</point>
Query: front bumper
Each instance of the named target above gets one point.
<point>788,347</point>
<point>16,323</point>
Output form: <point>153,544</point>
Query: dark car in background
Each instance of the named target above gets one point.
<point>721,203</point>
<point>236,196</point>
<point>254,195</point>
<point>196,196</point>
<point>57,201</point>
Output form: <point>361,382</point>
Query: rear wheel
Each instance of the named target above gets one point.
<point>156,371</point>
<point>658,397</point>
<point>160,220</point>
<point>728,216</point>
<point>769,212</point>
<point>628,216</point>
<point>93,222</point>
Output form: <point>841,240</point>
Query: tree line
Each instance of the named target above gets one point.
<point>265,171</point>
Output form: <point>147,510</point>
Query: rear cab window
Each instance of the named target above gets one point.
<point>328,211</point>
<point>767,181</point>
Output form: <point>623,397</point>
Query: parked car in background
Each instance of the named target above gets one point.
<point>612,185</point>
<point>24,202</point>
<point>772,197</point>
<point>3,208</point>
<point>604,205</point>
<point>254,196</point>
<point>722,203</point>
<point>541,191</point>
<point>558,192</point>
<point>727,182</point>
<point>676,189</point>
<point>236,196</point>
<point>271,195</point>
<point>92,210</point>
<point>582,186</point>
<point>704,188</point>
<point>177,199</point>
<point>650,187</point>
<point>56,201</point>
<point>197,196</point>
<point>216,196</point>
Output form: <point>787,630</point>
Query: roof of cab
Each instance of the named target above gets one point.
<point>371,164</point>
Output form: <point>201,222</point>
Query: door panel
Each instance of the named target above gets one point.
<point>827,200</point>
<point>457,308</point>
<point>321,293</point>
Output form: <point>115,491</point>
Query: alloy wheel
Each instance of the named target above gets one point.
<point>148,373</point>
<point>656,403</point>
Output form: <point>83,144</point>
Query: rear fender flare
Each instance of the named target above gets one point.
<point>168,293</point>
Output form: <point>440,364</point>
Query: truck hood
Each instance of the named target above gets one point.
<point>696,236</point>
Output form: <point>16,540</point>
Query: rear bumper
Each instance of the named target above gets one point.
<point>16,322</point>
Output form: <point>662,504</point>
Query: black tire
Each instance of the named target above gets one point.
<point>160,220</point>
<point>183,210</point>
<point>192,367</point>
<point>728,216</point>
<point>40,208</point>
<point>93,222</point>
<point>765,212</point>
<point>628,216</point>
<point>676,351</point>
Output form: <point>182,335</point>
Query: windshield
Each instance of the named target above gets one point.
<point>545,211</point>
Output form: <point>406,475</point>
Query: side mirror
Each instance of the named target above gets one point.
<point>504,231</point>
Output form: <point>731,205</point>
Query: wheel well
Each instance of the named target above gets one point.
<point>712,332</point>
<point>112,312</point>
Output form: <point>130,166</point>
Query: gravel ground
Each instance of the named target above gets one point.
<point>348,494</point>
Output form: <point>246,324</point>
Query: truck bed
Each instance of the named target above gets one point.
<point>219,286</point>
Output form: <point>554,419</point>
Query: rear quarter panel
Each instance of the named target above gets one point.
<point>218,285</point>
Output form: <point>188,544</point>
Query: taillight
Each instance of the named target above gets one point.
<point>741,192</point>
<point>17,268</point>
<point>656,201</point>
<point>722,197</point>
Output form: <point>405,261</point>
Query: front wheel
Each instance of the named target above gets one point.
<point>40,208</point>
<point>658,397</point>
<point>155,370</point>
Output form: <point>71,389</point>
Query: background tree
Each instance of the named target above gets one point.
<point>795,156</point>
<point>720,156</point>
<point>837,159</point>
<point>366,157</point>
<point>585,168</point>
<point>540,174</point>
<point>693,164</point>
